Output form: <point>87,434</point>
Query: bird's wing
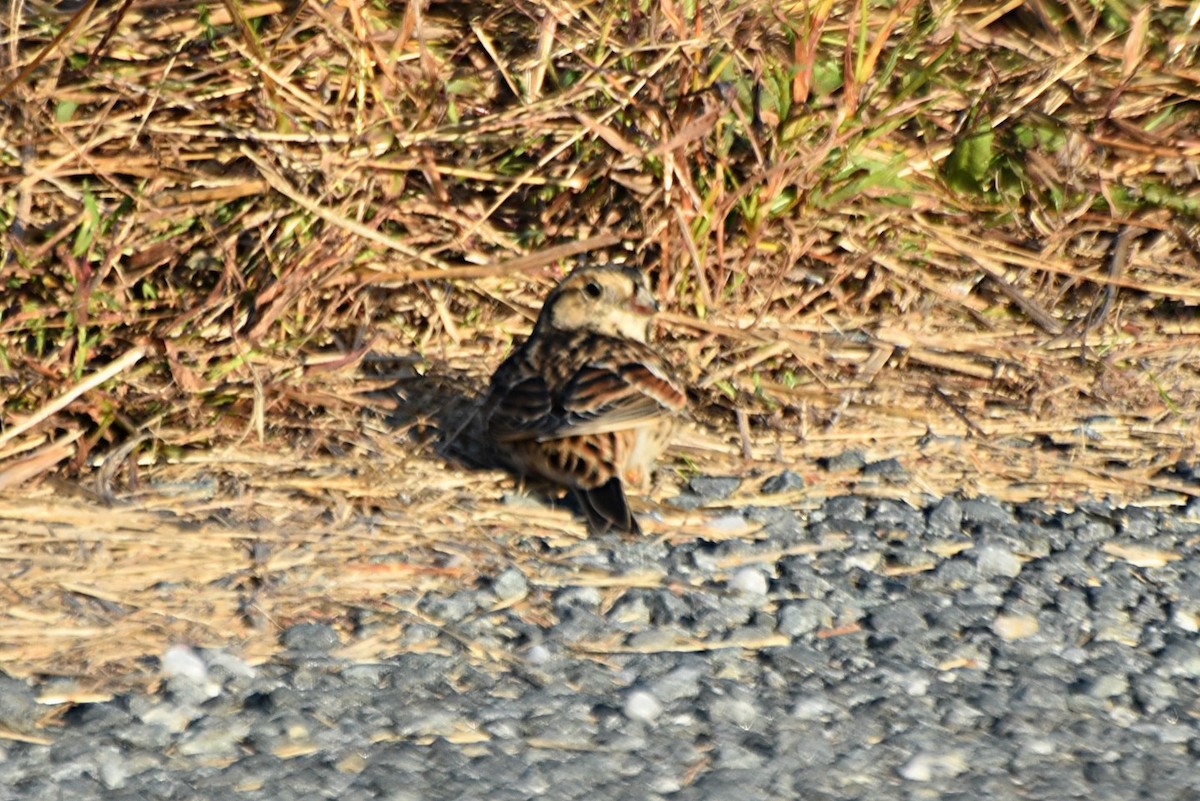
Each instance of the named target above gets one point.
<point>519,405</point>
<point>615,394</point>
<point>612,386</point>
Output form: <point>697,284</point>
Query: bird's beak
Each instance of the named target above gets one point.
<point>644,303</point>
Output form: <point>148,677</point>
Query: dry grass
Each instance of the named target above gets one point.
<point>257,257</point>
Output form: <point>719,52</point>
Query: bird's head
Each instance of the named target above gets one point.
<point>605,299</point>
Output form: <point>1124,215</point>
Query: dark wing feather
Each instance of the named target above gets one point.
<point>618,386</point>
<point>626,387</point>
<point>598,399</point>
<point>521,410</point>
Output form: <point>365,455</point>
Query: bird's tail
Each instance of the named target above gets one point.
<point>607,509</point>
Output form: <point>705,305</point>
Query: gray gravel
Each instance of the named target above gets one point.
<point>866,649</point>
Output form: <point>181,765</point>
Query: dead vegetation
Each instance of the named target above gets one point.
<point>257,257</point>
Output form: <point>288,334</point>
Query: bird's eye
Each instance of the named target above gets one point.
<point>593,289</point>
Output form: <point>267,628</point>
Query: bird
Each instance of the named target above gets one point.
<point>585,401</point>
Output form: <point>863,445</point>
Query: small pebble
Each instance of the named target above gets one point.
<point>682,682</point>
<point>511,585</point>
<point>449,609</point>
<point>867,561</point>
<point>1108,686</point>
<point>900,619</point>
<point>804,617</point>
<point>631,610</point>
<point>1015,627</point>
<point>1187,617</point>
<point>749,581</point>
<point>813,707</point>
<point>727,522</point>
<point>642,706</point>
<point>993,560</point>
<point>215,736</point>
<point>577,598</point>
<point>945,519</point>
<point>687,501</point>
<point>845,507</point>
<point>313,638</point>
<point>538,655</point>
<point>738,711</point>
<point>986,513</point>
<point>180,660</point>
<point>232,664</point>
<point>1192,510</point>
<point>171,717</point>
<point>714,488</point>
<point>111,769</point>
<point>925,767</point>
<point>783,482</point>
<point>19,708</point>
<point>891,469</point>
<point>845,461</point>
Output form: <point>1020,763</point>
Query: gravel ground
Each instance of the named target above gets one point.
<point>865,649</point>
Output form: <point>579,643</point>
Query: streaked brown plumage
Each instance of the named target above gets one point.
<point>584,401</point>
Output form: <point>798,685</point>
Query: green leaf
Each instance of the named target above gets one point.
<point>826,78</point>
<point>86,233</point>
<point>65,110</point>
<point>970,162</point>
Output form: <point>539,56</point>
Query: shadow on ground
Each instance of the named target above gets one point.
<point>440,409</point>
<point>437,406</point>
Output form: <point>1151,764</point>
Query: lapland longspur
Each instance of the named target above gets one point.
<point>585,401</point>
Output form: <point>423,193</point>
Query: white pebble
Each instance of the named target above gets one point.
<point>1187,618</point>
<point>642,705</point>
<point>867,561</point>
<point>813,707</point>
<point>750,581</point>
<point>111,769</point>
<point>925,767</point>
<point>171,717</point>
<point>917,769</point>
<point>180,660</point>
<point>993,560</point>
<point>537,655</point>
<point>1039,746</point>
<point>731,522</point>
